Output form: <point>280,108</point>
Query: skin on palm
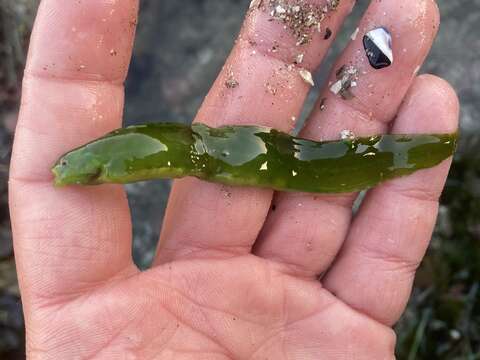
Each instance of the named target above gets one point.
<point>208,297</point>
<point>198,312</point>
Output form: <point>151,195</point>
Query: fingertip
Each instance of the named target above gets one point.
<point>436,13</point>
<point>441,90</point>
<point>430,106</point>
<point>427,15</point>
<point>87,39</point>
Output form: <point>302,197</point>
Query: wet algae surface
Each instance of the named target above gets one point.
<point>168,80</point>
<point>250,156</point>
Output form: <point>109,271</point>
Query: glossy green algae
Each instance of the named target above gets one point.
<point>250,156</point>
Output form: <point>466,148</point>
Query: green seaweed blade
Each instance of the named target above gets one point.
<point>250,156</point>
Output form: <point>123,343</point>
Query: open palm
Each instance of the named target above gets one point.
<point>240,273</point>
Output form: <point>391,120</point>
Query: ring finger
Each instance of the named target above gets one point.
<point>305,232</point>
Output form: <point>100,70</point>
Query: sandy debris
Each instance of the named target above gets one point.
<point>306,76</point>
<point>333,4</point>
<point>271,88</point>
<point>231,82</point>
<point>323,104</point>
<point>299,58</point>
<point>256,4</point>
<point>303,19</point>
<point>347,77</point>
<point>328,34</point>
<point>347,135</point>
<point>355,34</point>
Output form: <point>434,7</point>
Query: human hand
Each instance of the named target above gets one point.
<point>237,276</point>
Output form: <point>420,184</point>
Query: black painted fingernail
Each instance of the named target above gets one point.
<point>378,47</point>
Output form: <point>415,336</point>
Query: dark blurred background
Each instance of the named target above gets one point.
<point>180,47</point>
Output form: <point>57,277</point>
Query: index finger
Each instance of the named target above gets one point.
<point>68,240</point>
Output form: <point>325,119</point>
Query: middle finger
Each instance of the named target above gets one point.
<point>262,83</point>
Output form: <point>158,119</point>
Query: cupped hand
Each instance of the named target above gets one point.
<point>240,273</point>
